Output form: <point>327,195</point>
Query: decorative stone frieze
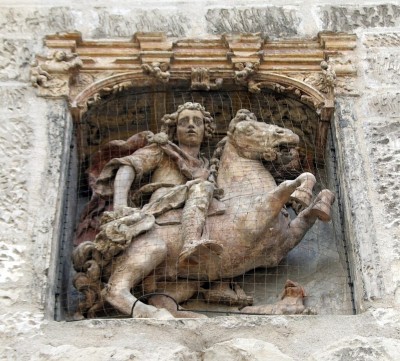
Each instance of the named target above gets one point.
<point>273,21</point>
<point>345,18</point>
<point>390,40</point>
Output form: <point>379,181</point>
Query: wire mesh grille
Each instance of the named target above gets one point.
<point>318,263</point>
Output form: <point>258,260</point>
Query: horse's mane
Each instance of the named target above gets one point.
<point>216,157</point>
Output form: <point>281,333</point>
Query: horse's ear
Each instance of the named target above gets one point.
<point>232,125</point>
<point>241,115</point>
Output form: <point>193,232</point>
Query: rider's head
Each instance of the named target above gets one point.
<point>170,121</point>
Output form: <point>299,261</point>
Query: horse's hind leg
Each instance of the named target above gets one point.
<point>142,257</point>
<point>175,293</point>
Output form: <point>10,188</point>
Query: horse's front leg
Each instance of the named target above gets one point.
<point>287,189</point>
<point>320,209</point>
<point>137,262</point>
<point>303,194</point>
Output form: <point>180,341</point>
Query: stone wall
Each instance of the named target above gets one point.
<point>34,138</point>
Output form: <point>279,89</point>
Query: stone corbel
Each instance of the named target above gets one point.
<point>158,71</point>
<point>53,75</point>
<point>245,54</point>
<point>244,73</point>
<point>328,78</point>
<point>155,54</point>
<point>200,80</point>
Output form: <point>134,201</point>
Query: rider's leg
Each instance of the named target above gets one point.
<point>142,257</point>
<point>194,217</point>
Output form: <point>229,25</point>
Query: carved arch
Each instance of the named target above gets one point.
<point>282,84</point>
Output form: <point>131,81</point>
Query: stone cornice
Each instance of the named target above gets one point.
<point>242,59</point>
<point>86,72</point>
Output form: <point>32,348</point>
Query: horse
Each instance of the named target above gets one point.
<point>254,231</point>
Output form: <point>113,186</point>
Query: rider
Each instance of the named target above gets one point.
<point>179,175</point>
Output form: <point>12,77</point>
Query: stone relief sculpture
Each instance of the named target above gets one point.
<point>51,77</point>
<point>291,302</point>
<point>158,71</point>
<point>202,223</point>
<point>200,80</point>
<point>242,76</point>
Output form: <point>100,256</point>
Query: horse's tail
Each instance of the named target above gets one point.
<point>88,263</point>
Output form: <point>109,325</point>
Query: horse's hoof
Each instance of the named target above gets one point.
<point>322,205</point>
<point>303,196</point>
<point>147,311</point>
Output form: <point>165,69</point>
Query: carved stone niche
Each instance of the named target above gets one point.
<point>118,88</point>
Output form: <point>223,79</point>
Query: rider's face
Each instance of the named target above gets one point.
<point>190,127</point>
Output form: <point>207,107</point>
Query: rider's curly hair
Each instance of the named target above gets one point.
<point>169,121</point>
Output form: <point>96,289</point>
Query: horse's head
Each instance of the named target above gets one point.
<point>258,140</point>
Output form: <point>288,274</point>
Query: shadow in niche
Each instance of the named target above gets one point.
<point>317,263</point>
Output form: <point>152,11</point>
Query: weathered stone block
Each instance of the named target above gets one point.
<point>244,349</point>
<point>114,23</point>
<point>35,21</point>
<point>389,40</point>
<point>384,68</point>
<point>349,18</point>
<point>20,323</point>
<point>384,149</point>
<point>356,203</point>
<point>271,21</point>
<point>384,104</point>
<point>118,353</point>
<point>16,135</point>
<point>13,101</point>
<point>15,58</point>
<point>360,348</point>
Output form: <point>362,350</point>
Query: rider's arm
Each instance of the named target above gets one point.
<point>123,181</point>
